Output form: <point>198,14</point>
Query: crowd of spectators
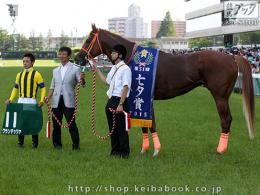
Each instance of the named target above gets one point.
<point>252,54</point>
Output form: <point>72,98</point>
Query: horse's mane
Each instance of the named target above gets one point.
<point>115,36</point>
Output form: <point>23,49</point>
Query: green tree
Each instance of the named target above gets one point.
<point>249,38</point>
<point>24,43</point>
<point>5,41</point>
<point>149,43</point>
<point>75,51</point>
<point>236,39</point>
<point>167,28</point>
<point>152,43</point>
<point>244,38</point>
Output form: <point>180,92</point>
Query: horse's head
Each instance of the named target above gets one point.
<point>101,42</point>
<point>91,47</point>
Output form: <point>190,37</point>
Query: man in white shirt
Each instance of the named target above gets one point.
<point>119,80</point>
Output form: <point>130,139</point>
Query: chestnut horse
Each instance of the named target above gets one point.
<point>179,74</point>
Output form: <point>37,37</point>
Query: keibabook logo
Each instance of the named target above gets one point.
<point>241,12</point>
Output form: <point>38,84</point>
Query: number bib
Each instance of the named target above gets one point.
<point>22,119</point>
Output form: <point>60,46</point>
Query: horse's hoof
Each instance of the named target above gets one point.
<point>155,153</point>
<point>143,151</point>
<point>221,150</point>
<point>223,143</point>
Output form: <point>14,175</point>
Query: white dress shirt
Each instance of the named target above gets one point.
<point>119,76</point>
<point>63,70</point>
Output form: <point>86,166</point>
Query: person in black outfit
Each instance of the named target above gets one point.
<point>119,80</point>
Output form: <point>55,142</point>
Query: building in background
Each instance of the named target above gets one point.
<point>54,43</point>
<point>117,25</point>
<point>168,44</point>
<point>211,19</point>
<point>134,11</point>
<point>132,26</point>
<point>180,28</point>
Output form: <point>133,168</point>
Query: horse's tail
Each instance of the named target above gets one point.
<point>248,94</point>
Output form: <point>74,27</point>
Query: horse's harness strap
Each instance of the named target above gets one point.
<point>92,44</point>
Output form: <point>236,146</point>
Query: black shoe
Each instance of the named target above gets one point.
<point>115,154</point>
<point>20,144</point>
<point>75,147</point>
<point>34,146</point>
<point>125,156</point>
<point>57,147</point>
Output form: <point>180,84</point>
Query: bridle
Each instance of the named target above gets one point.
<point>92,43</point>
<point>96,39</point>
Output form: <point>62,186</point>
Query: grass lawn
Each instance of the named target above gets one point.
<point>188,127</point>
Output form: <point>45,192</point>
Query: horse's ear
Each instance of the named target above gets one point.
<point>94,28</point>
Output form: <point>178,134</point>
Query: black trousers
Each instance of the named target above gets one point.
<point>35,139</point>
<point>119,138</point>
<point>73,129</point>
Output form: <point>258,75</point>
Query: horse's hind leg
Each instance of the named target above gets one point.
<point>221,100</point>
<point>156,140</point>
<point>226,119</point>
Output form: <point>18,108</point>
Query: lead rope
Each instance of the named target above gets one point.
<point>93,113</point>
<point>50,112</point>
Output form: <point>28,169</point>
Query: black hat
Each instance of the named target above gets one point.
<point>120,49</point>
